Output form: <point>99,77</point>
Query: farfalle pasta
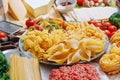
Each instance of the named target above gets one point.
<point>80,41</point>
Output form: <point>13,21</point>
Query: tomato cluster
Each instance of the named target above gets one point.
<point>106,26</point>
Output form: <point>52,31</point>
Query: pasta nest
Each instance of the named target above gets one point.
<point>79,42</point>
<point>116,37</point>
<point>110,63</point>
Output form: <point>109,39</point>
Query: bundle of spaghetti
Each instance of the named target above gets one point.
<point>22,68</point>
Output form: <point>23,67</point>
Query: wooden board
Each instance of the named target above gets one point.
<point>52,13</point>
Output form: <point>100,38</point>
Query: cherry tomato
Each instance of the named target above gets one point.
<point>112,28</point>
<point>103,28</point>
<point>95,1</point>
<point>2,35</point>
<point>111,34</point>
<point>36,26</point>
<point>107,33</point>
<point>80,2</point>
<point>92,22</point>
<point>106,24</point>
<point>98,24</point>
<point>29,22</point>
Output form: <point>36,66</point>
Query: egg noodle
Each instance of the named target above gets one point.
<point>80,41</point>
<point>110,63</point>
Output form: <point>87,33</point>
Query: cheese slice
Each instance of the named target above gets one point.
<point>38,7</point>
<point>17,9</point>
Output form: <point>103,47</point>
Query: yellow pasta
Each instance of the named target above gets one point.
<point>59,56</point>
<point>80,41</point>
<point>115,48</point>
<point>73,57</point>
<point>22,68</point>
<point>110,63</point>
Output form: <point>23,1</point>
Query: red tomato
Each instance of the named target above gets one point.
<point>95,1</point>
<point>91,22</point>
<point>98,24</point>
<point>2,35</point>
<point>107,24</point>
<point>36,26</point>
<point>107,33</point>
<point>103,28</point>
<point>111,34</point>
<point>29,22</point>
<point>112,28</point>
<point>80,2</point>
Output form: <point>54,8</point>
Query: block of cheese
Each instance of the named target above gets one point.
<point>38,7</point>
<point>17,9</point>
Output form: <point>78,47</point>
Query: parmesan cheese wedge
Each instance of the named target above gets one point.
<point>38,7</point>
<point>16,9</point>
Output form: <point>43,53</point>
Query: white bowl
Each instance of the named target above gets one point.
<point>66,8</point>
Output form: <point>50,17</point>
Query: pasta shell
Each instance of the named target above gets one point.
<point>93,44</point>
<point>59,57</point>
<point>73,57</point>
<point>85,55</point>
<point>73,43</point>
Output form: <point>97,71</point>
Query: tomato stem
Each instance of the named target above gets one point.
<point>29,18</point>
